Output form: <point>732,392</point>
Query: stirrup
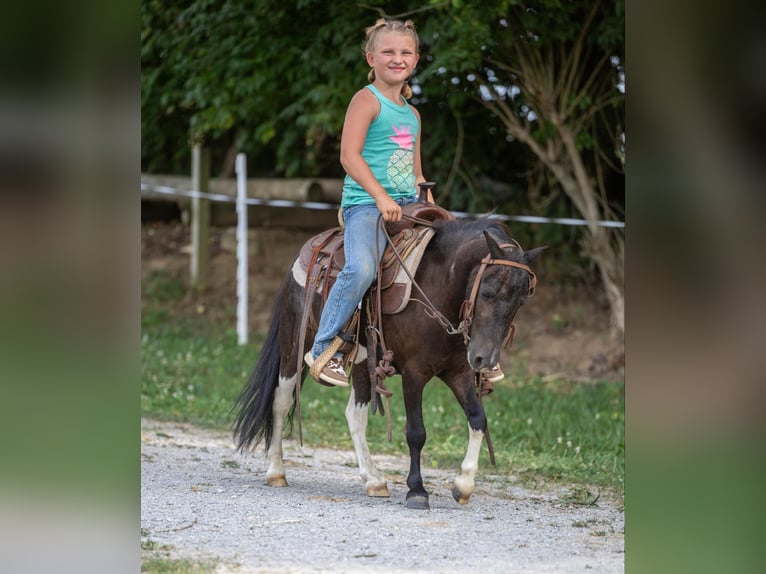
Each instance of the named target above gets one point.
<point>321,361</point>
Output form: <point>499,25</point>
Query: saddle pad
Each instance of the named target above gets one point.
<point>396,295</point>
<point>325,250</point>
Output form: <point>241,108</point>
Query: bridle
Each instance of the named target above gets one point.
<point>466,310</point>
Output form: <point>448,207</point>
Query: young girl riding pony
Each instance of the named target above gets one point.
<point>380,153</point>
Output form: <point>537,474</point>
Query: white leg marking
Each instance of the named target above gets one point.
<point>464,482</point>
<point>283,400</point>
<point>374,480</point>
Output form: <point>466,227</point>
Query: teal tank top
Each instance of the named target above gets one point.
<point>389,150</point>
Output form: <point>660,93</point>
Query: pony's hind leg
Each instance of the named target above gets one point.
<point>357,416</point>
<point>283,400</point>
<point>374,480</point>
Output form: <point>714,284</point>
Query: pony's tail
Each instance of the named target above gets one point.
<point>255,417</point>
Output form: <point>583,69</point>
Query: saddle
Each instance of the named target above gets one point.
<point>322,257</point>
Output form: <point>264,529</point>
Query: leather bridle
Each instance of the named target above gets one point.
<point>466,310</point>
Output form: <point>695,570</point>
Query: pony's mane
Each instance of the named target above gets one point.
<point>453,233</point>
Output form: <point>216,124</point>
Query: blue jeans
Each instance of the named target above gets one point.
<point>357,275</point>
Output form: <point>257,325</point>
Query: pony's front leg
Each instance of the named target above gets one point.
<point>357,415</point>
<point>477,423</point>
<point>417,496</point>
<point>465,481</point>
<point>283,400</point>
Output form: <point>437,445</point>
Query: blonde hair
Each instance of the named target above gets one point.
<point>404,27</point>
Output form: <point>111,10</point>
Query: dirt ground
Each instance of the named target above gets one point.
<point>562,332</point>
<point>200,500</point>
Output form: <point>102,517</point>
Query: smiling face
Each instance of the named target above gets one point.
<point>393,57</point>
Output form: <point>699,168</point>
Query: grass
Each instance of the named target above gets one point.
<point>542,431</point>
<point>552,431</point>
<point>155,559</point>
<point>175,566</point>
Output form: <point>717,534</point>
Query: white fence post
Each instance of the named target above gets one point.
<point>242,277</point>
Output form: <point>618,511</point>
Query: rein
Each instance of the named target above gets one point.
<point>431,309</point>
<point>466,314</point>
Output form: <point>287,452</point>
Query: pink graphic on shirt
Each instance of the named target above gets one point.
<point>403,137</point>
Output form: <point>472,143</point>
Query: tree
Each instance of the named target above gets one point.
<point>273,79</point>
<point>521,94</point>
<point>260,76</point>
<point>551,73</point>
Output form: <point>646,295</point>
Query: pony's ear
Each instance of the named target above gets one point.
<point>494,249</point>
<point>532,254</point>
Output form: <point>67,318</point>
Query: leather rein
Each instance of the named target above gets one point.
<point>466,311</point>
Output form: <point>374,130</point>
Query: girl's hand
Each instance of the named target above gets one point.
<point>391,210</point>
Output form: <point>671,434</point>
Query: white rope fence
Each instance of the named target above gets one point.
<point>167,190</point>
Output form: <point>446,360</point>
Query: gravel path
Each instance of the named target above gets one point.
<point>202,500</point>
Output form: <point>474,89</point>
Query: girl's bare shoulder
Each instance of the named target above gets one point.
<point>364,102</point>
<point>365,96</point>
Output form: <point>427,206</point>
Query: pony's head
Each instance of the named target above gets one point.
<point>497,289</point>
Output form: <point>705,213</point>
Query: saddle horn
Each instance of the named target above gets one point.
<point>424,187</point>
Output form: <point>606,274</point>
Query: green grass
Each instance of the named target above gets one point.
<point>192,376</point>
<point>172,566</point>
<point>542,431</point>
<point>554,431</point>
<point>155,559</point>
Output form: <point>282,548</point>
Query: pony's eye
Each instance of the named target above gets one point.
<point>486,294</point>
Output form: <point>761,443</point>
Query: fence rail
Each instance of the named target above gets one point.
<point>148,188</point>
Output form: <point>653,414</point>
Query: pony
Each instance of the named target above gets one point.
<point>471,281</point>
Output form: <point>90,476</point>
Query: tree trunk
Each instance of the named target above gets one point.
<point>562,158</point>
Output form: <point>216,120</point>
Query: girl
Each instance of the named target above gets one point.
<point>380,152</point>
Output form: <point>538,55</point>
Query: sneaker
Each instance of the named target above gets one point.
<point>332,373</point>
<point>493,375</point>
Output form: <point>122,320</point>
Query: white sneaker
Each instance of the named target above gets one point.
<point>493,375</point>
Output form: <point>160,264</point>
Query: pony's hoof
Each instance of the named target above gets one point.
<point>378,491</point>
<point>276,480</point>
<point>418,502</point>
<point>459,497</point>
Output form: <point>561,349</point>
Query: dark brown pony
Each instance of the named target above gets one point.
<point>466,260</point>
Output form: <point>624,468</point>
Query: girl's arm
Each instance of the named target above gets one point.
<point>362,110</point>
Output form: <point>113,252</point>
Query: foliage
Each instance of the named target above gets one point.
<point>552,72</point>
<point>273,79</point>
<point>519,101</point>
<point>256,75</point>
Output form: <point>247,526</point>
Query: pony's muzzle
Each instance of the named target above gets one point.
<point>483,359</point>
